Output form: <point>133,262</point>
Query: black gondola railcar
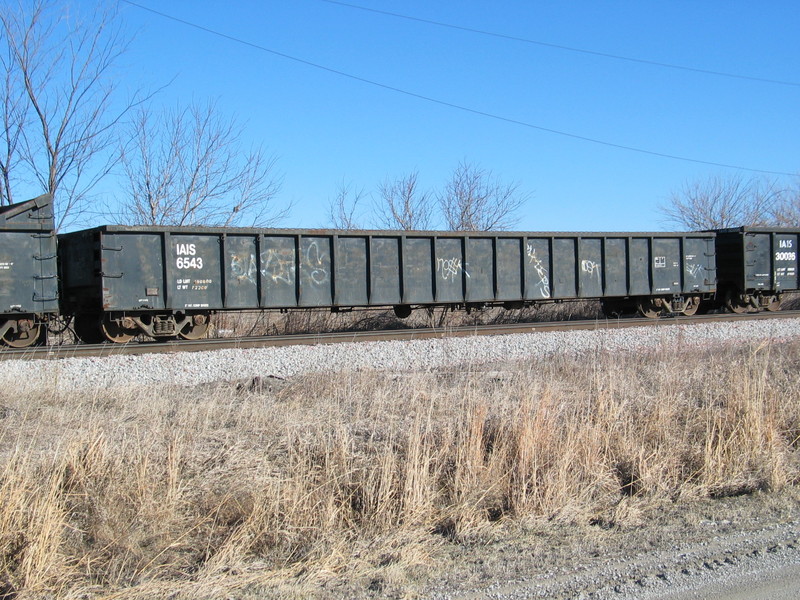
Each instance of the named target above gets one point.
<point>166,282</point>
<point>756,265</point>
<point>28,270</point>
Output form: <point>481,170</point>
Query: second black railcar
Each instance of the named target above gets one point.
<point>166,282</point>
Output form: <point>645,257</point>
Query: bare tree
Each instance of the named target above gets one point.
<point>344,206</point>
<point>14,120</point>
<point>57,106</point>
<point>187,167</point>
<point>720,202</point>
<point>402,206</point>
<point>475,200</point>
<point>786,211</point>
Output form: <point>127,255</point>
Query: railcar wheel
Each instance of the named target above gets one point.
<point>114,332</point>
<point>197,328</point>
<point>88,328</point>
<point>402,311</point>
<point>613,307</point>
<point>26,335</point>
<point>736,304</point>
<point>692,305</point>
<point>649,307</point>
<point>774,304</point>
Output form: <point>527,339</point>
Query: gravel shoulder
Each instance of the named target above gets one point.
<point>741,547</point>
<point>193,368</point>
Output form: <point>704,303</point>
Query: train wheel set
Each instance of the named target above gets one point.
<point>117,283</point>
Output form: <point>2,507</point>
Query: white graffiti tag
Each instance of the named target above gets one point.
<point>243,267</point>
<point>278,265</point>
<point>315,263</point>
<point>591,268</point>
<point>450,268</point>
<point>541,272</point>
<point>694,269</point>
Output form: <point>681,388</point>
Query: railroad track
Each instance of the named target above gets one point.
<point>100,350</point>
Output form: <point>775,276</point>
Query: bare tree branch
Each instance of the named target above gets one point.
<point>402,205</point>
<point>475,200</point>
<point>786,212</point>
<point>187,167</point>
<point>62,66</point>
<point>718,202</point>
<point>343,207</point>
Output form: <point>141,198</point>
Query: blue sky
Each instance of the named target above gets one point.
<point>326,128</point>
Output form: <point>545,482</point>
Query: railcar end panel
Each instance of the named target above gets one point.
<point>28,265</point>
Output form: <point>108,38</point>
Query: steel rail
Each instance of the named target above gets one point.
<point>133,348</point>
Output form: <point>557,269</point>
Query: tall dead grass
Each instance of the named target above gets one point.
<point>198,492</point>
<point>247,323</point>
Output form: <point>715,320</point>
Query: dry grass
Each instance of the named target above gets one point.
<point>287,485</point>
<point>247,323</point>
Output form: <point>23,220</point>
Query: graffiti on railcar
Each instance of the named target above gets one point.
<point>693,269</point>
<point>450,268</point>
<point>316,264</point>
<point>591,268</point>
<point>543,284</point>
<point>278,265</point>
<point>243,267</point>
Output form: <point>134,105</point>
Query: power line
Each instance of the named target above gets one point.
<point>451,104</point>
<point>643,61</point>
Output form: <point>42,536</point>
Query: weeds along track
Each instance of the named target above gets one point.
<point>322,337</point>
<point>355,483</point>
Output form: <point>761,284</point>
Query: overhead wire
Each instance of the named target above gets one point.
<point>452,105</point>
<point>621,57</point>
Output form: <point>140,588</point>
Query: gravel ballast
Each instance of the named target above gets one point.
<point>192,368</point>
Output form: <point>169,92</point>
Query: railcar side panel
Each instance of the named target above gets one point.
<point>666,266</point>
<point>315,271</point>
<point>616,267</point>
<point>509,267</point>
<point>194,271</point>
<point>538,267</point>
<point>350,264</point>
<point>385,281</point>
<point>479,270</point>
<point>784,252</point>
<point>565,284</point>
<point>590,276</point>
<point>639,267</point>
<point>698,274</point>
<point>757,254</point>
<point>240,269</point>
<point>418,270</point>
<point>277,268</point>
<point>449,270</point>
<point>131,270</point>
